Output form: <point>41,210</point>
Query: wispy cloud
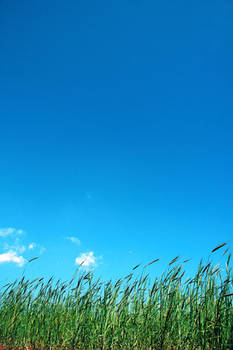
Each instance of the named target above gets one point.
<point>89,195</point>
<point>4,232</point>
<point>11,256</point>
<point>42,249</point>
<point>86,260</point>
<point>34,245</point>
<point>17,247</point>
<point>74,240</point>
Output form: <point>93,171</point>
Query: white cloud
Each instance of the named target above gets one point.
<point>11,256</point>
<point>86,260</point>
<point>14,246</point>
<point>32,246</point>
<point>13,240</point>
<point>4,232</point>
<point>74,240</point>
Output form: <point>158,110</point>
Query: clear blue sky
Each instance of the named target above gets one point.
<point>116,133</point>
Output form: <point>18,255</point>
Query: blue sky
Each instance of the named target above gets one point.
<point>116,132</point>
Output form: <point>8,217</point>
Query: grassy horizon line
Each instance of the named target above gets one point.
<point>131,313</point>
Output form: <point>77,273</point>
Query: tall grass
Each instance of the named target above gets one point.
<point>169,312</point>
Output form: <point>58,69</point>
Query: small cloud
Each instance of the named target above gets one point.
<point>20,232</point>
<point>74,240</point>
<point>130,252</point>
<point>32,246</point>
<point>88,195</point>
<point>11,256</point>
<point>42,249</point>
<point>86,260</point>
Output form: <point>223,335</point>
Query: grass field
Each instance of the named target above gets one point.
<point>170,312</point>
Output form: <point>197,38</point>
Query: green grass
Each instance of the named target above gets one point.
<point>169,312</point>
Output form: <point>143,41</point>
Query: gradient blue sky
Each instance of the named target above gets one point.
<point>117,130</point>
